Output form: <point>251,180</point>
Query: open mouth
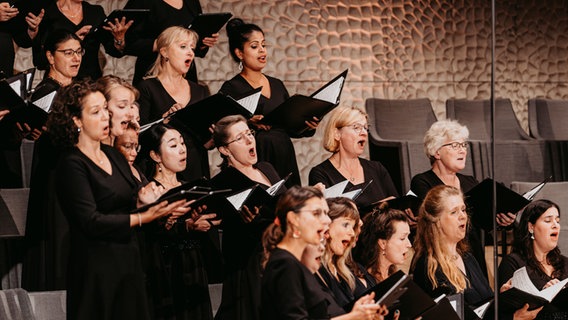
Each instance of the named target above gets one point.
<point>187,62</point>
<point>345,243</point>
<point>462,227</point>
<point>262,59</point>
<point>361,143</point>
<point>554,235</point>
<point>252,152</point>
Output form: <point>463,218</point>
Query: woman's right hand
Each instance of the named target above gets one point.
<point>247,214</point>
<point>7,12</point>
<point>256,122</point>
<point>82,33</point>
<point>160,210</point>
<point>149,193</point>
<point>525,314</point>
<point>175,107</point>
<point>365,308</point>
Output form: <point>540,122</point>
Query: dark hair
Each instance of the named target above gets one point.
<point>150,140</point>
<point>221,133</point>
<point>238,33</point>
<point>68,103</point>
<point>57,37</point>
<point>293,200</point>
<point>377,225</point>
<point>523,244</point>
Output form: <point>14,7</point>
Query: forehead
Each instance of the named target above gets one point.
<point>120,92</point>
<point>129,135</point>
<point>401,227</point>
<point>93,99</point>
<point>453,201</point>
<point>237,128</point>
<point>316,203</point>
<point>69,44</point>
<point>550,212</point>
<point>255,36</point>
<point>171,134</point>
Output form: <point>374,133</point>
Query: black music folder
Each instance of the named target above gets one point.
<point>293,113</point>
<point>206,24</point>
<point>188,191</point>
<point>198,117</point>
<point>443,309</point>
<point>479,202</point>
<point>137,15</point>
<point>387,292</point>
<point>340,190</point>
<point>16,96</point>
<point>26,6</point>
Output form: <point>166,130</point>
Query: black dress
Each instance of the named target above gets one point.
<point>154,102</point>
<point>478,289</point>
<point>54,20</point>
<point>105,276</point>
<point>242,248</point>
<point>555,310</point>
<point>140,40</point>
<point>423,182</point>
<point>177,276</point>
<point>47,232</point>
<point>274,145</point>
<point>381,187</point>
<point>290,291</point>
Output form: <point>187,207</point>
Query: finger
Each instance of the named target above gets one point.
<point>209,216</point>
<point>215,222</point>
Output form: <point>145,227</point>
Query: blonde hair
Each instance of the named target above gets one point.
<point>440,132</point>
<point>165,40</point>
<point>340,208</point>
<point>339,117</point>
<point>428,241</point>
<point>110,82</point>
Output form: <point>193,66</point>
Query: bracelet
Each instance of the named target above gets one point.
<point>119,42</point>
<point>139,220</point>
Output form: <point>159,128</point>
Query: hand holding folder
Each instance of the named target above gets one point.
<point>137,16</point>
<point>293,113</point>
<point>207,24</point>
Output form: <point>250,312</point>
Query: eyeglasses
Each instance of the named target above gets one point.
<point>457,145</point>
<point>69,52</point>
<point>132,147</point>
<point>249,134</point>
<point>358,128</point>
<point>315,212</point>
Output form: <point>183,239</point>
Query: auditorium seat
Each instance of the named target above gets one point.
<point>18,304</point>
<point>555,192</point>
<point>517,155</point>
<point>396,136</point>
<point>547,119</point>
<point>26,156</point>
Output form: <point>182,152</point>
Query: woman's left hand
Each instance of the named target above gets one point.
<point>551,283</point>
<point>505,219</point>
<point>211,41</point>
<point>150,193</point>
<point>313,124</point>
<point>33,22</point>
<point>118,29</point>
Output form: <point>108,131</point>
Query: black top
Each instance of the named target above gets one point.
<point>238,85</point>
<point>423,182</point>
<point>140,40</point>
<point>340,289</point>
<point>104,259</point>
<point>53,20</point>
<point>290,291</point>
<point>381,187</point>
<point>477,291</point>
<point>241,240</point>
<point>154,102</point>
<point>514,261</point>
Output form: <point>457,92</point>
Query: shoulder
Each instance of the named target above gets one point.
<point>281,261</point>
<point>513,260</point>
<point>424,176</point>
<point>234,85</point>
<point>93,8</point>
<point>323,166</point>
<point>267,168</point>
<point>376,165</point>
<point>321,172</point>
<point>467,182</point>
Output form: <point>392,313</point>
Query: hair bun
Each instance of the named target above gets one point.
<point>234,24</point>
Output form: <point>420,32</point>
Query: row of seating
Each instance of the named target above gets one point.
<point>398,127</point>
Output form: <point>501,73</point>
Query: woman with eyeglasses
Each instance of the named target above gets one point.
<point>45,264</point>
<point>446,145</point>
<point>345,136</point>
<point>176,270</point>
<point>242,233</point>
<point>127,144</point>
<point>79,17</point>
<point>247,47</point>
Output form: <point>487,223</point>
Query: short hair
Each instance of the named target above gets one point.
<point>221,133</point>
<point>151,140</point>
<point>440,132</point>
<point>166,39</point>
<point>57,37</point>
<point>338,118</point>
<point>238,33</point>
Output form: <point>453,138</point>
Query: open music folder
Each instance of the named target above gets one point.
<point>206,24</point>
<point>339,190</point>
<point>16,96</point>
<point>293,113</point>
<point>136,15</point>
<point>198,117</point>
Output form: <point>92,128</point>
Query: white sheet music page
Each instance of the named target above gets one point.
<point>17,87</point>
<point>351,194</point>
<point>331,92</point>
<point>522,281</point>
<point>46,101</point>
<point>272,190</point>
<point>250,102</point>
<point>335,190</point>
<point>238,199</point>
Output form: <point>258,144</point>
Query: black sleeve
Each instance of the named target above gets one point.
<point>420,185</point>
<point>137,41</point>
<point>145,102</point>
<point>507,268</point>
<point>318,174</point>
<point>76,196</point>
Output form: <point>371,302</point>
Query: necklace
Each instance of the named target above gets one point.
<point>349,172</point>
<point>72,16</point>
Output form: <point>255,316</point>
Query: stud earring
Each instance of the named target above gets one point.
<point>78,129</point>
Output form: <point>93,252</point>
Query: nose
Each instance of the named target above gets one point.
<point>408,243</point>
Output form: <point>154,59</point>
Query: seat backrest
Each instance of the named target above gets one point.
<point>476,115</point>
<point>49,305</point>
<point>547,119</point>
<point>400,120</point>
<point>15,305</point>
<point>555,192</point>
<point>26,157</point>
<point>13,211</point>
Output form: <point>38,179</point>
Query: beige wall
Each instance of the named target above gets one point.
<point>394,49</point>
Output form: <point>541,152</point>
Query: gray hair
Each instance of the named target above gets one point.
<point>440,132</point>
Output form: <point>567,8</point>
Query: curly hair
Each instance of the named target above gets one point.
<point>68,104</point>
<point>380,224</point>
<point>440,132</point>
<point>524,245</point>
<point>428,241</point>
